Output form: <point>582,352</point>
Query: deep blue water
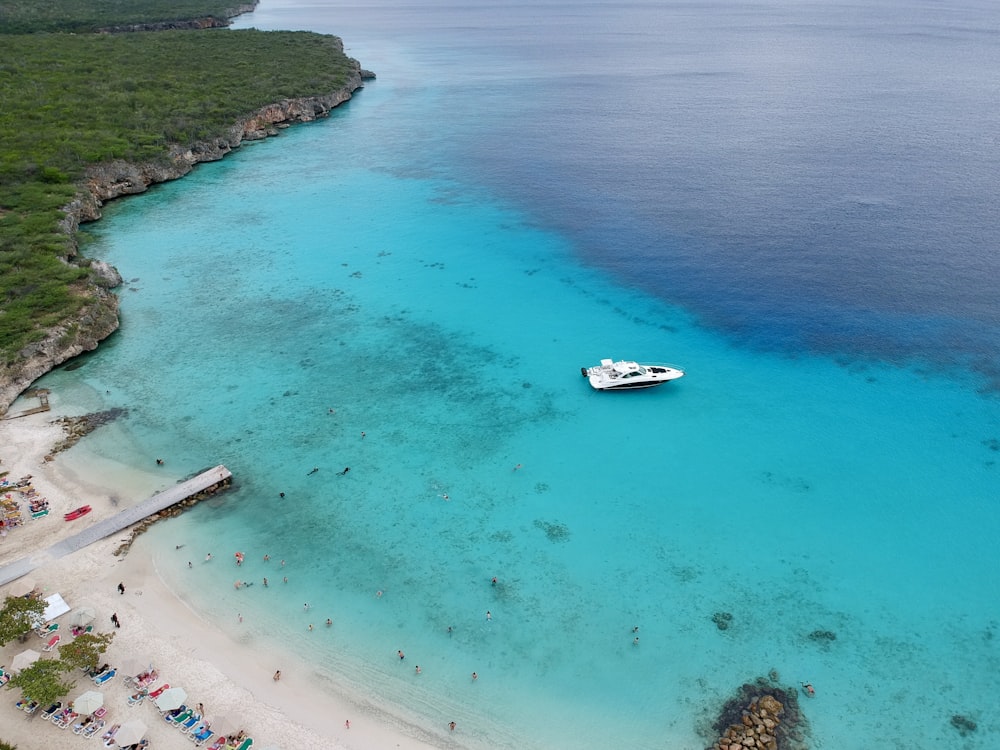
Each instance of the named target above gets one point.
<point>794,201</point>
<point>817,176</point>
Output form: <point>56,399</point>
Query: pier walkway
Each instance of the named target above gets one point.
<point>121,520</point>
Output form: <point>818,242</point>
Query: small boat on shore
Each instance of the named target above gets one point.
<point>77,513</point>
<point>626,375</point>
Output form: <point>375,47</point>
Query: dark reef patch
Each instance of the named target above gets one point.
<point>722,620</point>
<point>555,532</point>
<point>963,724</point>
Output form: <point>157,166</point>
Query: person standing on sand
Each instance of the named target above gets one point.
<point>121,588</point>
<point>277,676</point>
<point>114,619</point>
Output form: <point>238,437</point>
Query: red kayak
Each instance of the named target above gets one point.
<point>74,514</point>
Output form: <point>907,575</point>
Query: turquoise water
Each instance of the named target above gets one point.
<point>355,265</point>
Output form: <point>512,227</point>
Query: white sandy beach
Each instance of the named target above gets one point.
<point>188,651</point>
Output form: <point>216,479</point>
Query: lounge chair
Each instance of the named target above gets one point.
<point>219,744</point>
<point>109,736</point>
<point>66,719</point>
<point>47,713</point>
<point>245,745</point>
<point>94,671</point>
<point>31,707</point>
<point>136,698</point>
<point>102,678</point>
<point>159,691</point>
<point>94,728</point>
<point>172,713</point>
<point>202,737</point>
<point>81,725</point>
<point>192,722</point>
<point>53,642</point>
<point>179,718</point>
<point>58,715</point>
<point>46,630</point>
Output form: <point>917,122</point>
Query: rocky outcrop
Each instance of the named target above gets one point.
<point>761,716</point>
<point>111,180</point>
<point>757,729</point>
<point>98,317</point>
<point>94,322</point>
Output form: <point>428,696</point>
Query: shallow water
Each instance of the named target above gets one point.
<point>402,265</point>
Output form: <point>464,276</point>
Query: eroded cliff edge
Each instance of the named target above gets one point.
<point>98,316</point>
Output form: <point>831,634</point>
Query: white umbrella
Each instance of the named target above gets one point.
<point>82,616</point>
<point>170,699</point>
<point>24,659</point>
<point>130,733</point>
<point>224,725</point>
<point>132,667</point>
<point>88,702</point>
<point>21,586</point>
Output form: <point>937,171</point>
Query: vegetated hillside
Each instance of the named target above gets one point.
<point>74,101</point>
<point>27,16</point>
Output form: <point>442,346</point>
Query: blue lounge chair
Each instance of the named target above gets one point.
<point>202,737</point>
<point>191,722</point>
<point>102,678</point>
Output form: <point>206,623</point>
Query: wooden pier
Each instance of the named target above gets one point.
<point>207,482</point>
<point>43,405</point>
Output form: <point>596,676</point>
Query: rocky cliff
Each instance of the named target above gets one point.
<point>98,316</point>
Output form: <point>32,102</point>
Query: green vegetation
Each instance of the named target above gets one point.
<point>73,101</point>
<point>18,616</point>
<point>43,681</point>
<point>27,16</point>
<point>85,651</point>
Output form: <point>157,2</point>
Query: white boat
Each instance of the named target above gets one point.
<point>624,375</point>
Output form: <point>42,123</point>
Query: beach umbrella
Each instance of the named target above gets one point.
<point>82,616</point>
<point>21,587</point>
<point>88,702</point>
<point>24,659</point>
<point>224,725</point>
<point>130,733</point>
<point>170,699</point>
<point>133,666</point>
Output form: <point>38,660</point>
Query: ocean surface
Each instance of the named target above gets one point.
<point>794,201</point>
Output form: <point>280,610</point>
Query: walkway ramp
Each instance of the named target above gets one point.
<point>121,520</point>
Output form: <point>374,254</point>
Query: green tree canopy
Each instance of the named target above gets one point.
<point>84,651</point>
<point>18,616</point>
<point>43,681</point>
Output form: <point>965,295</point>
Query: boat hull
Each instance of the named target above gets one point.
<point>625,375</point>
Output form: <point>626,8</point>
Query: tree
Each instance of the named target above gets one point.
<point>84,651</point>
<point>19,615</point>
<point>6,746</point>
<point>42,681</point>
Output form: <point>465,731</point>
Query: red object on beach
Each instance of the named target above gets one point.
<point>74,514</point>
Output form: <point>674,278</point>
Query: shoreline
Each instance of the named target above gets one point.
<point>159,627</point>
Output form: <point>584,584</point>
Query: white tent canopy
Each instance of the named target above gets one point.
<point>55,606</point>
